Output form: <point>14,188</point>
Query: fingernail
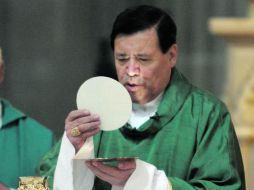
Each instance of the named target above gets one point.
<point>120,165</point>
<point>95,116</point>
<point>86,111</point>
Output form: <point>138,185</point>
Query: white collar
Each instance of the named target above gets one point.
<point>147,108</point>
<point>141,113</point>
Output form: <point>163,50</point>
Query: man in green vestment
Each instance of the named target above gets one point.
<point>183,136</point>
<point>23,142</point>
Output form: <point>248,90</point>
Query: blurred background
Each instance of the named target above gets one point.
<point>51,47</point>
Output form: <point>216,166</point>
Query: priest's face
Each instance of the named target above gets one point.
<point>141,66</point>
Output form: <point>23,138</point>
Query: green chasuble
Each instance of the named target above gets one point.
<point>191,138</point>
<point>23,142</point>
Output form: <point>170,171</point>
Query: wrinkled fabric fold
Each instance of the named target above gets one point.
<point>72,174</point>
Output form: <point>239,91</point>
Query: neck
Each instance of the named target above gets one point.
<point>141,113</point>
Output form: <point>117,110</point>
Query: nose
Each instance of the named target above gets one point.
<point>133,68</point>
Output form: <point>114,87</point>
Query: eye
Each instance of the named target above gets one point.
<point>122,60</point>
<point>144,60</point>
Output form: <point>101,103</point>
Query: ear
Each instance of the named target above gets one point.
<point>172,55</point>
<point>1,72</point>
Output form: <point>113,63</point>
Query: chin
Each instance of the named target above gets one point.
<point>134,100</point>
<point>138,101</point>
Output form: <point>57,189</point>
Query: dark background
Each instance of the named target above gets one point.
<point>52,46</point>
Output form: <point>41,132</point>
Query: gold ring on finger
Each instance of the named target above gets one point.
<point>75,132</point>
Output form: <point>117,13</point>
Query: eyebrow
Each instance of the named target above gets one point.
<point>138,55</point>
<point>142,55</point>
<point>121,54</point>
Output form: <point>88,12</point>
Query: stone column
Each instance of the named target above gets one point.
<point>239,88</point>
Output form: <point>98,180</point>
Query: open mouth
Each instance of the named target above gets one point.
<point>131,87</point>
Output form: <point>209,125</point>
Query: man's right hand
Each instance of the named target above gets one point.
<point>87,123</point>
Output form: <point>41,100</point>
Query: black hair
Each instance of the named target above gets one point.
<point>143,17</point>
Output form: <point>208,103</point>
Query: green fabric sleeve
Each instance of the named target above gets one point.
<point>48,164</point>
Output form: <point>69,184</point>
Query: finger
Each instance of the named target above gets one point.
<point>85,119</point>
<point>94,120</point>
<point>78,141</point>
<point>90,133</point>
<point>112,171</point>
<point>77,114</point>
<point>85,132</point>
<point>127,164</point>
<point>112,175</point>
<point>87,127</point>
<point>103,175</point>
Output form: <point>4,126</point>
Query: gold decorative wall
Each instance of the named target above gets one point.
<point>239,88</point>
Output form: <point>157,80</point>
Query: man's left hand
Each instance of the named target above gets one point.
<point>114,175</point>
